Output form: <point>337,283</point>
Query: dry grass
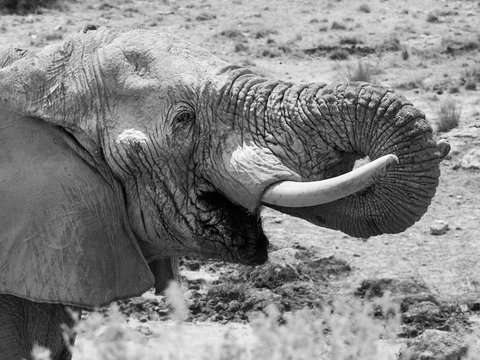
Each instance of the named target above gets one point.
<point>346,330</point>
<point>338,26</point>
<point>364,8</point>
<point>339,54</point>
<point>359,71</point>
<point>29,6</point>
<point>448,115</point>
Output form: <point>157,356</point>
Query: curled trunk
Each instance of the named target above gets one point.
<point>318,132</point>
<point>358,120</point>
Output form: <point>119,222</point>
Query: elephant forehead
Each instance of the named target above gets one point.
<point>164,53</point>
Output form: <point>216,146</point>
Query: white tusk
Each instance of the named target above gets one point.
<point>301,194</point>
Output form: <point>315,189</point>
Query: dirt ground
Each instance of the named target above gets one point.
<point>427,50</point>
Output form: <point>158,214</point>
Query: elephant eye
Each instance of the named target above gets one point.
<point>185,118</point>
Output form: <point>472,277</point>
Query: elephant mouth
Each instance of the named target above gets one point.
<point>230,232</point>
<point>235,234</point>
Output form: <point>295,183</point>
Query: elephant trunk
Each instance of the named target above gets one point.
<point>351,121</point>
<point>318,132</point>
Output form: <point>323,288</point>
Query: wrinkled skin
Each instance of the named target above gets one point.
<point>160,149</point>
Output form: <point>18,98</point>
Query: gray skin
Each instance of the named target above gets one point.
<point>119,149</point>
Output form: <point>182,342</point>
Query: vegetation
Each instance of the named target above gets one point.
<point>346,330</point>
<point>432,18</point>
<point>24,6</point>
<point>338,54</point>
<point>448,115</point>
<point>338,26</point>
<point>359,71</point>
<point>364,8</point>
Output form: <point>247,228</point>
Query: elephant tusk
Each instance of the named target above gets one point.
<point>302,194</point>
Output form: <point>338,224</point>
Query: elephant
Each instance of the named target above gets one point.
<point>120,148</point>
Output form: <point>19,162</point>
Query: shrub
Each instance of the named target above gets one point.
<point>448,115</point>
<point>471,85</point>
<point>24,6</point>
<point>470,77</point>
<point>359,71</point>
<point>338,54</point>
<point>410,84</point>
<point>346,330</point>
<point>453,90</point>
<point>364,8</point>
<point>432,18</point>
<point>338,26</point>
<point>391,44</point>
<point>232,34</point>
<point>350,40</point>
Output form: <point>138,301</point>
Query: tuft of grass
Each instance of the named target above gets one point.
<point>448,115</point>
<point>339,54</point>
<point>360,71</point>
<point>470,85</point>
<point>453,90</point>
<point>338,26</point>
<point>391,44</point>
<point>410,84</point>
<point>232,34</point>
<point>470,77</point>
<point>176,299</point>
<point>23,7</point>
<point>241,47</point>
<point>432,18</point>
<point>350,40</point>
<point>364,8</point>
<point>204,16</point>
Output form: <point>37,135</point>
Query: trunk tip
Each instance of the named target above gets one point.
<point>444,148</point>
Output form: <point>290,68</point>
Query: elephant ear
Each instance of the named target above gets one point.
<point>63,233</point>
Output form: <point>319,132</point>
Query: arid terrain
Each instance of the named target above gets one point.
<point>429,51</point>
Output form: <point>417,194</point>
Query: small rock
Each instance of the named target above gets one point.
<point>285,256</point>
<point>434,345</point>
<point>471,160</point>
<point>439,227</point>
<point>400,289</point>
<point>420,311</point>
<point>192,265</point>
<point>58,28</point>
<point>271,275</point>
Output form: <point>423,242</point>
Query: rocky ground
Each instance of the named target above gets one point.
<point>427,50</point>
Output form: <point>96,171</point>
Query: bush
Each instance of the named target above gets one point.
<point>338,26</point>
<point>364,8</point>
<point>24,6</point>
<point>448,115</point>
<point>432,18</point>
<point>350,40</point>
<point>338,54</point>
<point>471,85</point>
<point>344,331</point>
<point>359,71</point>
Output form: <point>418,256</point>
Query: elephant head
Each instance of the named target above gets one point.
<point>123,147</point>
